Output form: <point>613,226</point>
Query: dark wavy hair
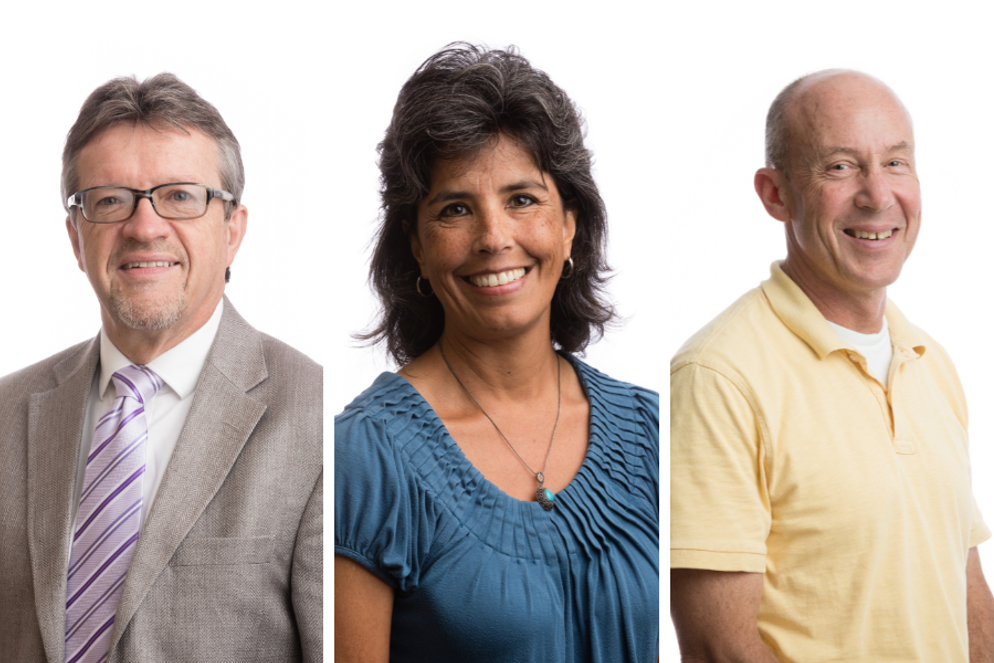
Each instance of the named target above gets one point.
<point>456,103</point>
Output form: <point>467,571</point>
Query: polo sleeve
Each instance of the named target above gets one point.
<point>979,531</point>
<point>381,519</point>
<point>719,503</point>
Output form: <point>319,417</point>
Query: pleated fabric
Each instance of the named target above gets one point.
<point>481,576</point>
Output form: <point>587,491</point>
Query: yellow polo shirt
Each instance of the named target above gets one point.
<point>788,458</point>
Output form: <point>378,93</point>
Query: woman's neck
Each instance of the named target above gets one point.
<point>514,368</point>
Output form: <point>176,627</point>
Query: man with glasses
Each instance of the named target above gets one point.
<point>161,495</point>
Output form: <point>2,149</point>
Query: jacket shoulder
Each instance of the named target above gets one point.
<point>41,376</point>
<point>287,361</point>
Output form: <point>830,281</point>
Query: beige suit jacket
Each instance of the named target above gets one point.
<point>228,566</point>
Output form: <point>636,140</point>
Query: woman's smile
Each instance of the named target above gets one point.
<point>493,280</point>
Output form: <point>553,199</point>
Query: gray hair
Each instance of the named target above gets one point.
<point>455,104</point>
<point>777,138</point>
<point>163,100</point>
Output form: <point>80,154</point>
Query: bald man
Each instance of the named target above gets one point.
<point>821,503</point>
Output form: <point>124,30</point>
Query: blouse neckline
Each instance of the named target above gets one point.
<point>453,449</point>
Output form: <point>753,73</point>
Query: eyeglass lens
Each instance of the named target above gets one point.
<point>173,201</point>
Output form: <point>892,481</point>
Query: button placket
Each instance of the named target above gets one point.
<point>903,441</point>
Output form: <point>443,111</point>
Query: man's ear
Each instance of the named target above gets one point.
<point>235,231</point>
<point>771,187</point>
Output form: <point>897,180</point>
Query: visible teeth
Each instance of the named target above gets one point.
<point>862,234</point>
<point>492,280</point>
<point>156,263</point>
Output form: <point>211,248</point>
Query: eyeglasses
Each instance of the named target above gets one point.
<point>176,200</point>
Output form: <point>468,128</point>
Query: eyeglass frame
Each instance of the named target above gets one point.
<point>76,200</point>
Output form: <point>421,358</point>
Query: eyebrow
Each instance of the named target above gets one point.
<point>445,196</point>
<point>897,147</point>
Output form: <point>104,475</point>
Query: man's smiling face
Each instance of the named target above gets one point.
<point>853,191</point>
<point>151,273</point>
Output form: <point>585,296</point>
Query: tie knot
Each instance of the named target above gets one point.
<point>138,382</point>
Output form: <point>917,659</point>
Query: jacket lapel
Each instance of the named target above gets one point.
<point>55,429</point>
<point>220,421</point>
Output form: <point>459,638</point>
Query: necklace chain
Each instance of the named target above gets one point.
<point>539,476</point>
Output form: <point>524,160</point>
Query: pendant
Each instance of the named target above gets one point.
<point>546,498</point>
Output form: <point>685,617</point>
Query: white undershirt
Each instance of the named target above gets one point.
<point>180,369</point>
<point>875,348</point>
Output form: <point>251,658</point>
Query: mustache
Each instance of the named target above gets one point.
<point>163,246</point>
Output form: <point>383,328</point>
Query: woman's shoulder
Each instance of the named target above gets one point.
<point>388,416</point>
<point>615,394</point>
<point>387,390</point>
<point>625,416</point>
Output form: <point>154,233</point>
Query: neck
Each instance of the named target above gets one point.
<point>860,311</point>
<point>518,368</point>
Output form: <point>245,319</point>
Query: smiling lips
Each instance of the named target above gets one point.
<point>494,280</point>
<point>154,263</point>
<point>862,234</point>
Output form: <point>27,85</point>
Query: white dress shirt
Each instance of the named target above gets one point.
<point>180,369</point>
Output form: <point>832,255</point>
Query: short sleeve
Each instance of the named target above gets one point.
<point>382,520</point>
<point>719,503</point>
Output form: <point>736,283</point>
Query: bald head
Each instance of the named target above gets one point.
<point>801,106</point>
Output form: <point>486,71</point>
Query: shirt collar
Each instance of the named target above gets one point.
<point>802,317</point>
<point>179,367</point>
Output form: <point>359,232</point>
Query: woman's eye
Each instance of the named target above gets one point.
<point>455,209</point>
<point>521,200</point>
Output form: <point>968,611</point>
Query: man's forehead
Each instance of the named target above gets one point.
<point>139,147</point>
<point>845,111</point>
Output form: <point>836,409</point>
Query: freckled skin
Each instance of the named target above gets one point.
<point>494,212</point>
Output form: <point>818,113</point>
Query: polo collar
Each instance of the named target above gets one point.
<point>802,317</point>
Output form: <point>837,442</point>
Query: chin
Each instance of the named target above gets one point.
<point>146,315</point>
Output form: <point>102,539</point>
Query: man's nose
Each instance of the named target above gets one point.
<point>145,225</point>
<point>876,192</point>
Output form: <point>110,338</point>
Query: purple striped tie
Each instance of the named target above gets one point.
<point>109,517</point>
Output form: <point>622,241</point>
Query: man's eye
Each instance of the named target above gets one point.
<point>840,166</point>
<point>109,201</point>
<point>179,196</point>
<point>521,200</point>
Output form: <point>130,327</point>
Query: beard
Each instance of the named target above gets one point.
<point>147,315</point>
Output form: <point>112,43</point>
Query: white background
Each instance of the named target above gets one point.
<point>675,101</point>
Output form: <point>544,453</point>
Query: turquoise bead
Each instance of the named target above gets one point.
<point>549,495</point>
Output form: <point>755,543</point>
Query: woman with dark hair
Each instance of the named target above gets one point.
<point>496,499</point>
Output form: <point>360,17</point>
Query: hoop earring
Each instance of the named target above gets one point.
<point>417,285</point>
<point>569,261</point>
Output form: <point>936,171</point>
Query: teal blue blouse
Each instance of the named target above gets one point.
<point>480,576</point>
